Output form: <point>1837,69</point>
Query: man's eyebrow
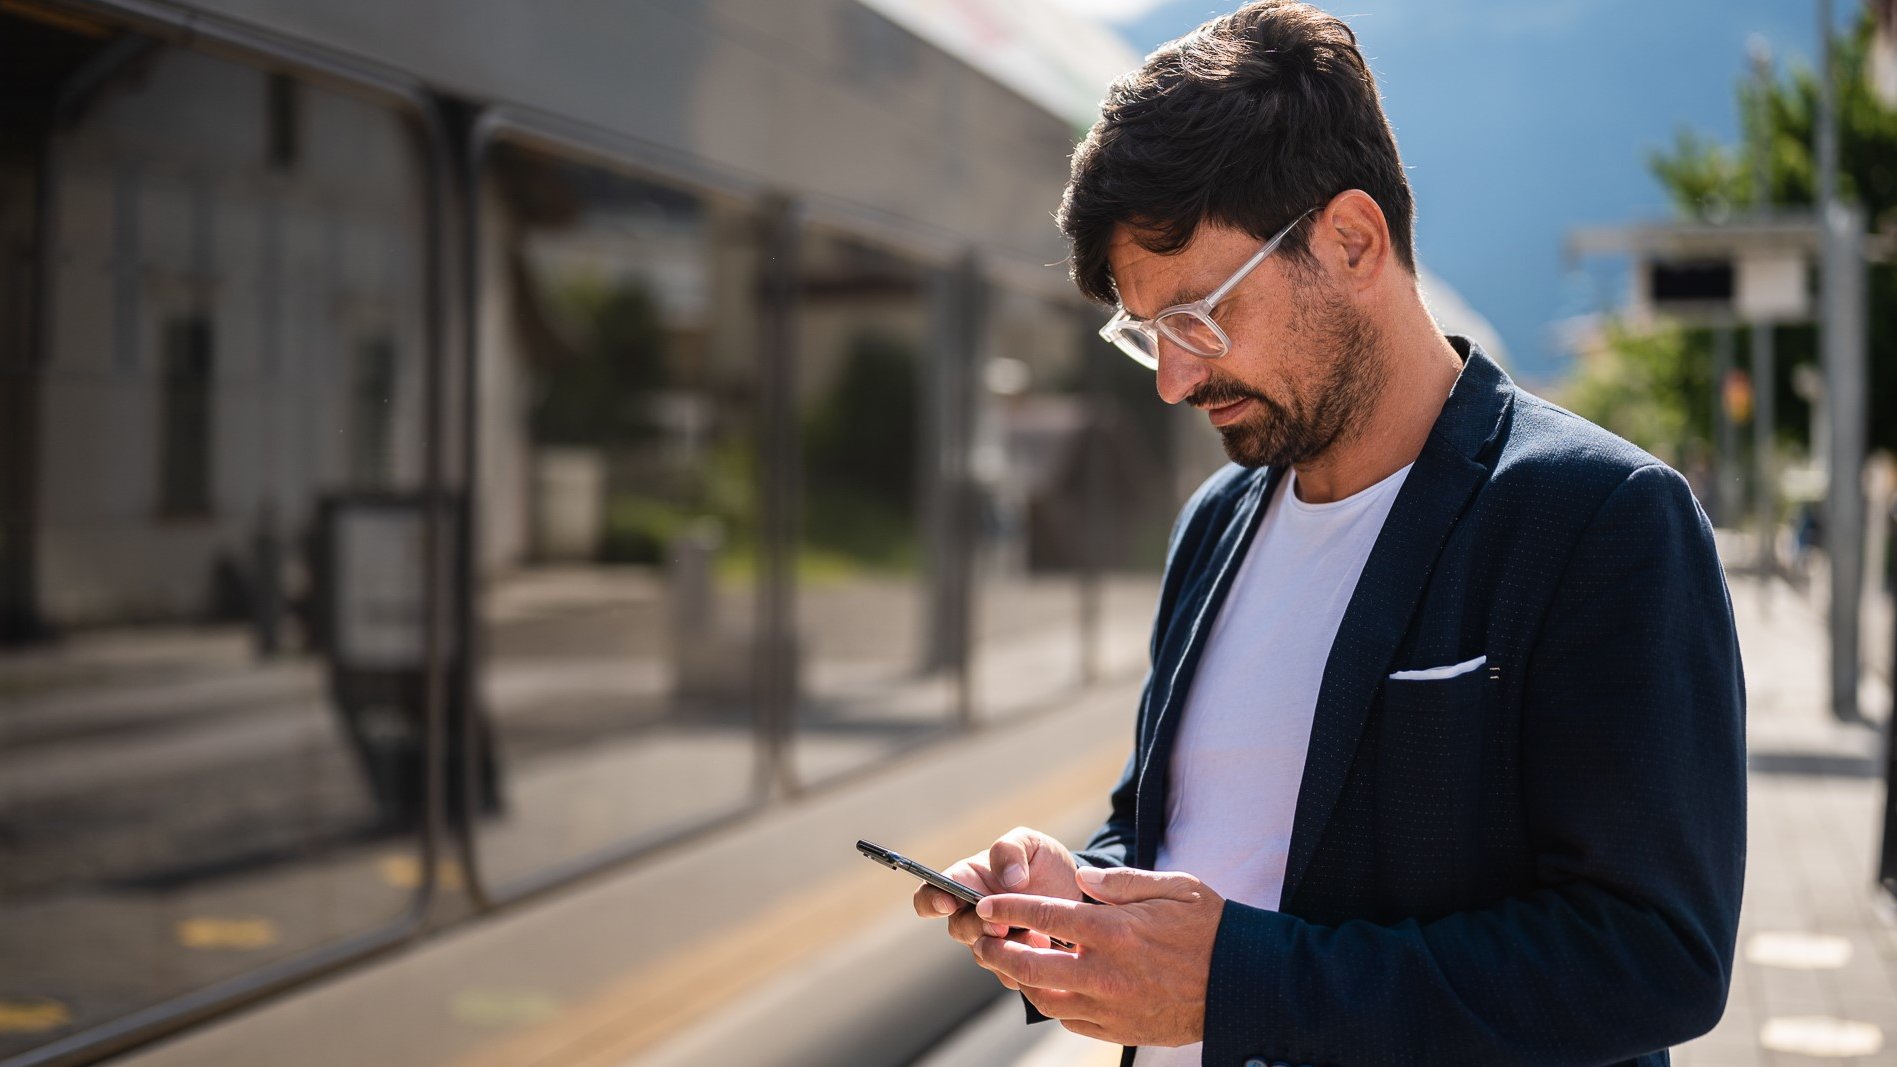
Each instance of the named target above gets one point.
<point>1185,294</point>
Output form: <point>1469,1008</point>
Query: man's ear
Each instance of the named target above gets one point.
<point>1352,237</point>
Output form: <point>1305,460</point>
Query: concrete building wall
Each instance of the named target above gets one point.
<point>168,210</point>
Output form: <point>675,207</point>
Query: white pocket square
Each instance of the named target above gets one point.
<point>1435,674</point>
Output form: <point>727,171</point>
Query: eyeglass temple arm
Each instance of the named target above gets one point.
<point>1251,264</point>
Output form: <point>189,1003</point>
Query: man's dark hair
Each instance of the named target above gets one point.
<point>1245,122</point>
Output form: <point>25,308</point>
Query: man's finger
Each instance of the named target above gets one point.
<point>1006,982</point>
<point>1128,885</point>
<point>966,927</point>
<point>1045,968</point>
<point>1059,1003</point>
<point>1009,856</point>
<point>932,903</point>
<point>1086,1028</point>
<point>1069,920</point>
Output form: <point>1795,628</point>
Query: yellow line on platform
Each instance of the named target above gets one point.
<point>636,1013</point>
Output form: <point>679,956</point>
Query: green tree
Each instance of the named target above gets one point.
<point>1652,387</point>
<point>1711,181</point>
<point>861,450</point>
<point>589,392</point>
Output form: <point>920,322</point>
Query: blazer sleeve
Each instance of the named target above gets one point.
<point>1633,766</point>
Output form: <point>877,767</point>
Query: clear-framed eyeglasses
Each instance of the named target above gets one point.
<point>1190,326</point>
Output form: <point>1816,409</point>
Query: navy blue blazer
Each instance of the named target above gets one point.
<point>1534,863</point>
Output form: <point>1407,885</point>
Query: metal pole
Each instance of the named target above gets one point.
<point>1827,113</point>
<point>1841,326</point>
<point>1887,855</point>
<point>1098,507</point>
<point>779,467</point>
<point>1764,373</point>
<point>1844,344</point>
<point>1765,486</point>
<point>1726,432</point>
<point>959,305</point>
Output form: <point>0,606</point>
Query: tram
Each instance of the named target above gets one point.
<point>449,450</point>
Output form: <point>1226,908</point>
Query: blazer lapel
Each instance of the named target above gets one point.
<point>1199,608</point>
<point>1432,498</point>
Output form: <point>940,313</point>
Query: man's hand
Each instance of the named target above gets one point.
<point>1144,953</point>
<point>1020,861</point>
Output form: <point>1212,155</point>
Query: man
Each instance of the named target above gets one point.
<point>1443,735</point>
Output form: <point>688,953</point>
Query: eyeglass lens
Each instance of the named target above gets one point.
<point>1193,332</point>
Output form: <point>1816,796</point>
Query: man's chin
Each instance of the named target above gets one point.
<point>1249,445</point>
<point>1247,448</point>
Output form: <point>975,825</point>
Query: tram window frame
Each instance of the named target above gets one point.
<point>374,406</point>
<point>426,140</point>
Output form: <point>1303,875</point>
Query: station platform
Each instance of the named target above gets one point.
<point>769,940</point>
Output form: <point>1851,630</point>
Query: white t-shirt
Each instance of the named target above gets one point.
<point>1239,756</point>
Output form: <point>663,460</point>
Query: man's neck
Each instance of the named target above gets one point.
<point>1419,372</point>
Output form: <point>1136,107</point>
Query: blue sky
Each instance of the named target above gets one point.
<point>1519,120</point>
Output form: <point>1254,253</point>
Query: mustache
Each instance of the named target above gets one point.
<point>1217,394</point>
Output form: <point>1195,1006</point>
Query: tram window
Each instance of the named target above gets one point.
<point>874,665</point>
<point>1037,532</point>
<point>1148,482</point>
<point>280,115</point>
<point>184,443</point>
<point>191,785</point>
<point>618,509</point>
<point>1074,504</point>
<point>372,410</point>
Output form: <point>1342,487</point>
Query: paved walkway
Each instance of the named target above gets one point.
<point>1816,980</point>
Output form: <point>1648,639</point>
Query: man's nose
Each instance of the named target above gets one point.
<point>1179,373</point>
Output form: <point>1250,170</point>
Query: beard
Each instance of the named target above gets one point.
<point>1302,424</point>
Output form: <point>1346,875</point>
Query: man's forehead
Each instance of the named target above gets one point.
<point>1148,281</point>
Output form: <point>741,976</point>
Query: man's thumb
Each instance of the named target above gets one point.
<point>1128,885</point>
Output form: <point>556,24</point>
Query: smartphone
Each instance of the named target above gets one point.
<point>896,861</point>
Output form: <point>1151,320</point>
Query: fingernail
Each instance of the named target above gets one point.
<point>1091,876</point>
<point>1014,877</point>
<point>985,909</point>
<point>944,906</point>
<point>994,931</point>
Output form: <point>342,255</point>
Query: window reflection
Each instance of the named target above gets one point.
<point>617,508</point>
<point>869,680</point>
<point>188,787</point>
<point>1142,480</point>
<point>1035,440</point>
<point>184,443</point>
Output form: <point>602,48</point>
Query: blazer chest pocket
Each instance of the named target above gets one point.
<point>1429,787</point>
